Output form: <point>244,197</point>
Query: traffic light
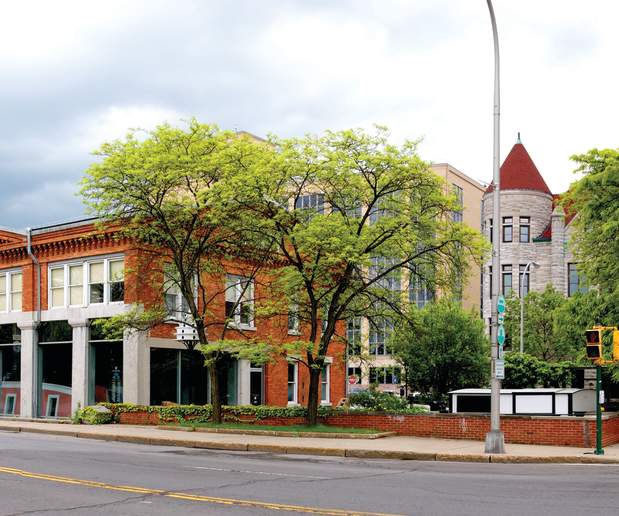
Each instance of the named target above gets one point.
<point>594,344</point>
<point>615,344</point>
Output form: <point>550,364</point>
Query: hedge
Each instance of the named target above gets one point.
<point>203,413</point>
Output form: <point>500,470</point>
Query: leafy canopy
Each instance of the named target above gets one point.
<point>442,348</point>
<point>595,200</point>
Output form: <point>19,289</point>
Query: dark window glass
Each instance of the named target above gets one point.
<point>10,365</point>
<point>491,232</point>
<point>576,282</point>
<point>55,362</point>
<point>55,331</point>
<point>507,280</point>
<point>525,280</point>
<point>96,292</point>
<point>255,387</point>
<point>163,375</point>
<point>194,378</point>
<point>9,334</point>
<point>117,291</point>
<point>353,334</point>
<point>508,229</point>
<point>525,229</point>
<point>107,360</point>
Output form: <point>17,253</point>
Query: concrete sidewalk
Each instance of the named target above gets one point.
<point>411,448</point>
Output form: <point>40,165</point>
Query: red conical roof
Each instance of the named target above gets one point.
<point>518,172</point>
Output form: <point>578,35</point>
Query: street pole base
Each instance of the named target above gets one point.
<point>598,452</point>
<point>495,442</point>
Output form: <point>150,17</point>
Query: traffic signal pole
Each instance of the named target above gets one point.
<point>598,411</point>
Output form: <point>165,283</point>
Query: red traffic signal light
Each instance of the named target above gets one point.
<point>594,344</point>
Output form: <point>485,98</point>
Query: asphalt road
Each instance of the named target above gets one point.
<point>50,475</point>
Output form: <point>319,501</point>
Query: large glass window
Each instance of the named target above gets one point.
<point>176,304</point>
<point>256,384</point>
<point>177,376</point>
<point>508,229</point>
<point>55,356</point>
<point>293,320</point>
<point>507,280</point>
<point>420,289</point>
<point>380,329</point>
<point>10,369</point>
<point>385,375</point>
<point>10,291</point>
<point>576,282</point>
<point>240,300</point>
<point>106,368</point>
<point>293,379</point>
<point>353,335</point>
<point>104,278</point>
<point>311,202</point>
<point>524,230</point>
<point>388,280</point>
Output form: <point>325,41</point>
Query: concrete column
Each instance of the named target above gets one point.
<point>136,368</point>
<point>29,369</point>
<point>81,365</point>
<point>244,382</point>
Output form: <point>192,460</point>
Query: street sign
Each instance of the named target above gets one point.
<point>500,305</point>
<point>499,369</point>
<point>501,318</point>
<point>589,373</point>
<point>500,337</point>
<point>500,352</point>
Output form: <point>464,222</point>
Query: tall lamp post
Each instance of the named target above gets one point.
<point>495,441</point>
<point>521,281</point>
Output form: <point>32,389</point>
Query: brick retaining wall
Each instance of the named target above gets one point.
<point>557,431</point>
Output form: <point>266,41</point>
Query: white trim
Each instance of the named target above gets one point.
<point>295,397</point>
<point>85,264</point>
<point>47,405</point>
<point>6,402</point>
<point>327,369</point>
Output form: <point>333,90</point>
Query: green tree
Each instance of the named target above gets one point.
<point>442,347</point>
<point>157,191</point>
<point>525,371</point>
<point>595,200</point>
<point>350,214</point>
<point>540,335</point>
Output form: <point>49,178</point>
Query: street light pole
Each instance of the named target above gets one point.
<point>524,272</point>
<point>495,442</point>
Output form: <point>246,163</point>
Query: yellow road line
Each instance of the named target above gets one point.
<point>187,496</point>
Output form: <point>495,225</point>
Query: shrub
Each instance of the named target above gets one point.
<point>379,401</point>
<point>93,416</point>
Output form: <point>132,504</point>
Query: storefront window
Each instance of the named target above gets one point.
<point>10,369</point>
<point>55,357</point>
<point>177,376</point>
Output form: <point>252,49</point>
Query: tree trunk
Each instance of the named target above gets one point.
<point>215,392</point>
<point>313,398</point>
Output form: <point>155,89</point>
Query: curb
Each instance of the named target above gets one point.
<point>334,452</point>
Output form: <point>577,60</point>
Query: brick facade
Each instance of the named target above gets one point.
<point>81,243</point>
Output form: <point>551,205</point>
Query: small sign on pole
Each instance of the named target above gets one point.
<point>500,338</point>
<point>499,369</point>
<point>501,306</point>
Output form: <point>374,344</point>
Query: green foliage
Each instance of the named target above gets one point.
<point>204,413</point>
<point>540,329</point>
<point>91,416</point>
<point>595,199</point>
<point>523,371</point>
<point>379,213</point>
<point>442,348</point>
<point>376,400</point>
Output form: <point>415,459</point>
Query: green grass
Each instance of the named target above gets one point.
<point>290,428</point>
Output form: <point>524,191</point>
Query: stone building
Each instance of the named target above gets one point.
<point>534,227</point>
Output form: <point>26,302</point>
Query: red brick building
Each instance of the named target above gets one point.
<point>55,280</point>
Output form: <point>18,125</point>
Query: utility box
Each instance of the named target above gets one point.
<point>539,402</point>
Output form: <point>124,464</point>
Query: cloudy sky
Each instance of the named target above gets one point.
<point>74,74</point>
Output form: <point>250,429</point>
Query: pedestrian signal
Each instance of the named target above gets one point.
<point>594,344</point>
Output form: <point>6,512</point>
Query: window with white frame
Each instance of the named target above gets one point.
<point>10,291</point>
<point>105,279</point>
<point>176,304</point>
<point>314,202</point>
<point>325,384</point>
<point>240,300</point>
<point>293,381</point>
